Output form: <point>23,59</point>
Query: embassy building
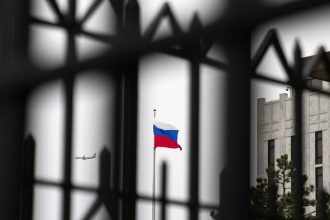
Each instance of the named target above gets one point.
<point>275,131</point>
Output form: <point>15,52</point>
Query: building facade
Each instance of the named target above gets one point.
<point>276,135</point>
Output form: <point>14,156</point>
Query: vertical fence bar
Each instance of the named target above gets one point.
<point>12,133</point>
<point>69,88</point>
<point>13,54</point>
<point>194,49</point>
<point>235,178</point>
<point>164,192</point>
<point>105,180</point>
<point>28,178</point>
<point>105,170</point>
<point>68,148</point>
<point>117,149</point>
<point>118,131</point>
<point>104,196</point>
<point>297,157</point>
<point>132,33</point>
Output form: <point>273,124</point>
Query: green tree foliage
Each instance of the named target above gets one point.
<point>281,177</point>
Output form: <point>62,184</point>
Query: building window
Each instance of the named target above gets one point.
<point>318,183</point>
<point>318,147</point>
<point>271,153</point>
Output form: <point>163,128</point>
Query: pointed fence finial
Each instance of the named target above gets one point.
<point>164,191</point>
<point>105,169</point>
<point>132,19</point>
<point>132,6</point>
<point>117,6</point>
<point>28,176</point>
<point>298,62</point>
<point>196,23</point>
<point>166,7</point>
<point>271,39</point>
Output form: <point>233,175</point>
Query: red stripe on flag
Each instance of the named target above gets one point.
<point>163,141</point>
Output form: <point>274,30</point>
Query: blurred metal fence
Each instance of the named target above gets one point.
<point>232,31</point>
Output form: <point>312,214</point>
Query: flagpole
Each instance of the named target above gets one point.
<point>154,179</point>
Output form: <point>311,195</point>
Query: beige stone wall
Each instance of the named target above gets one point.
<point>275,121</point>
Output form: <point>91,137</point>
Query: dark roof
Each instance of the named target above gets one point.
<point>319,71</point>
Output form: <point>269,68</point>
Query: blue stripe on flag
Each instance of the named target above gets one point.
<point>173,134</point>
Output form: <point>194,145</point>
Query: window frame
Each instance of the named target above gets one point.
<point>271,148</point>
<point>318,147</point>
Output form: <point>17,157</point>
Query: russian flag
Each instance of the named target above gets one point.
<point>166,135</point>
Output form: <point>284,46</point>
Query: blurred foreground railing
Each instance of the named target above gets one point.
<point>232,31</point>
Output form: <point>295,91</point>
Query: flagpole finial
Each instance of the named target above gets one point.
<point>155,113</point>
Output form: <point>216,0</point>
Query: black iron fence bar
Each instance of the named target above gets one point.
<point>297,151</point>
<point>117,124</point>
<point>69,96</point>
<point>13,49</point>
<point>100,37</point>
<point>193,48</point>
<point>117,150</point>
<point>235,177</point>
<point>36,20</point>
<point>62,185</point>
<point>176,202</point>
<point>68,148</point>
<point>93,209</point>
<point>105,180</point>
<point>164,192</point>
<point>201,59</point>
<point>56,9</point>
<point>28,167</point>
<point>90,11</point>
<point>104,192</point>
<point>132,30</point>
